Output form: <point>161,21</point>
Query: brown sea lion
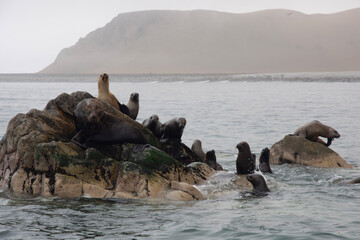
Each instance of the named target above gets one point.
<point>105,95</point>
<point>154,125</point>
<point>173,129</point>
<point>264,164</point>
<point>315,129</point>
<point>245,162</point>
<point>95,126</point>
<point>258,182</point>
<point>197,149</point>
<point>133,105</point>
<point>353,181</point>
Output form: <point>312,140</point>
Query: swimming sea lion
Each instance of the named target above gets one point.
<point>264,164</point>
<point>354,181</point>
<point>173,129</point>
<point>315,129</point>
<point>105,95</point>
<point>258,182</point>
<point>197,149</point>
<point>154,125</point>
<point>94,125</point>
<point>245,162</point>
<point>133,105</point>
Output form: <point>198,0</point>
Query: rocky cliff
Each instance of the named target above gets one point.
<point>217,42</point>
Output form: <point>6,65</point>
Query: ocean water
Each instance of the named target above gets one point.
<point>221,111</point>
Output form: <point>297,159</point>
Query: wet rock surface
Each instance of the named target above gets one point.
<point>37,157</point>
<point>298,150</point>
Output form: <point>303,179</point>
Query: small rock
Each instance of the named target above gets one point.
<point>298,150</point>
<point>189,189</point>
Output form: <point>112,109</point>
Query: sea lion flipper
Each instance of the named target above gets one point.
<point>329,140</point>
<point>123,108</point>
<point>77,139</point>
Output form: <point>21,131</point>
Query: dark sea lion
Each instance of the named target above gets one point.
<point>210,159</point>
<point>96,126</point>
<point>197,149</point>
<point>154,125</point>
<point>173,129</point>
<point>258,182</point>
<point>105,95</point>
<point>133,105</point>
<point>264,164</point>
<point>245,162</point>
<point>315,129</point>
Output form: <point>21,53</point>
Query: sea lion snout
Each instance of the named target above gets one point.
<point>182,122</point>
<point>336,134</point>
<point>134,96</point>
<point>104,77</point>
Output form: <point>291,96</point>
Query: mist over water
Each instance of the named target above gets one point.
<point>221,111</point>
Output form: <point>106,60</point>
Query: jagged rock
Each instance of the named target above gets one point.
<point>189,189</point>
<point>37,157</point>
<point>177,195</point>
<point>298,150</point>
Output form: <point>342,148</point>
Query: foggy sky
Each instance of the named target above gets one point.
<point>34,32</point>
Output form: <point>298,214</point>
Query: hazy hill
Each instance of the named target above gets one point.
<point>216,42</point>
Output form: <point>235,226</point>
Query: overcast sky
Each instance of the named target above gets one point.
<point>33,32</point>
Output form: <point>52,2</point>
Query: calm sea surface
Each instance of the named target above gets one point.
<point>221,111</point>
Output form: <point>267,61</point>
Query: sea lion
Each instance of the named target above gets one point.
<point>105,95</point>
<point>245,162</point>
<point>210,159</point>
<point>133,105</point>
<point>96,126</point>
<point>154,125</point>
<point>315,129</point>
<point>264,164</point>
<point>197,149</point>
<point>173,129</point>
<point>258,182</point>
<point>354,181</point>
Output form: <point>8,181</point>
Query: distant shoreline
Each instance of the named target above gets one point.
<point>353,76</point>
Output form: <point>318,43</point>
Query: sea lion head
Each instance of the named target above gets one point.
<point>181,123</point>
<point>134,97</point>
<point>334,133</point>
<point>104,78</point>
<point>210,155</point>
<point>264,156</point>
<point>258,182</point>
<point>243,147</point>
<point>89,111</point>
<point>197,144</point>
<point>210,159</point>
<point>154,118</point>
<point>94,111</point>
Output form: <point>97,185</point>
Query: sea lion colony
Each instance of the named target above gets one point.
<point>94,125</point>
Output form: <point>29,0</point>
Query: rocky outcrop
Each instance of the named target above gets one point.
<point>37,157</point>
<point>298,150</point>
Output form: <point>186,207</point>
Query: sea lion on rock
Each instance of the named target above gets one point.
<point>245,162</point>
<point>315,129</point>
<point>258,182</point>
<point>96,126</point>
<point>154,125</point>
<point>210,159</point>
<point>264,163</point>
<point>133,105</point>
<point>197,149</point>
<point>173,129</point>
<point>105,95</point>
